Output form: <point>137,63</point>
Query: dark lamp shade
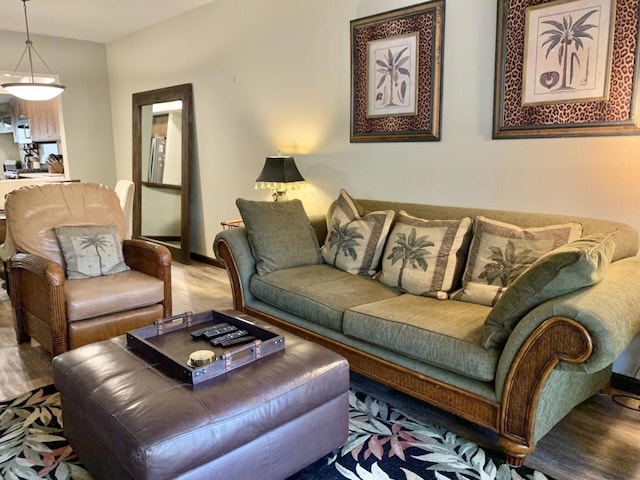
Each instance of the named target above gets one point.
<point>279,170</point>
<point>280,174</point>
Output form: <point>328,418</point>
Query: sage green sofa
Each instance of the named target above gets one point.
<point>557,355</point>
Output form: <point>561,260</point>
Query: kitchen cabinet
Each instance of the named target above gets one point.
<point>43,120</point>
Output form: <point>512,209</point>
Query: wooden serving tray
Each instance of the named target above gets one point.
<point>169,343</point>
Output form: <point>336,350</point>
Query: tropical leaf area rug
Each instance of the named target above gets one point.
<point>384,444</point>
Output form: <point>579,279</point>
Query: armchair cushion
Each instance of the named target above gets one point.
<point>118,293</point>
<point>91,250</point>
<point>37,209</point>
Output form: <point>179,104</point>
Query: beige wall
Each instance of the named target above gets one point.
<point>275,75</point>
<point>86,108</point>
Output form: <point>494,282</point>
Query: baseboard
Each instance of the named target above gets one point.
<point>623,382</point>
<point>208,260</point>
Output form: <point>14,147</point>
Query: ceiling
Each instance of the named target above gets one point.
<point>93,20</point>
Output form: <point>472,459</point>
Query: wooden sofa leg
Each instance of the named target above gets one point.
<point>515,453</point>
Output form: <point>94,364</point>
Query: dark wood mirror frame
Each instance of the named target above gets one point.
<point>184,93</point>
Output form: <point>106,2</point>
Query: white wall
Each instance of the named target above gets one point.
<point>86,108</point>
<point>274,76</point>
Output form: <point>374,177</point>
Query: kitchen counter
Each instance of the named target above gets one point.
<point>33,179</point>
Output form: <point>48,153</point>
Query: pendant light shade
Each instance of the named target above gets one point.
<point>32,89</point>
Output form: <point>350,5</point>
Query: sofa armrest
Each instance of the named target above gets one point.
<point>608,312</point>
<point>153,259</point>
<point>232,248</point>
<point>582,331</point>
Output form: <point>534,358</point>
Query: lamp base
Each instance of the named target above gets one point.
<point>279,195</point>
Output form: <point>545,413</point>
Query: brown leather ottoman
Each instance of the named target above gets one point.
<point>128,420</point>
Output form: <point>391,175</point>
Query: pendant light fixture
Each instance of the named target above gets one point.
<point>32,89</point>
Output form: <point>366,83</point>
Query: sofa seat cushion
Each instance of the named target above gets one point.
<point>447,334</point>
<point>318,293</point>
<point>118,293</point>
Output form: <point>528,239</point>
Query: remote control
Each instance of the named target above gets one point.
<point>213,328</point>
<point>229,336</point>
<point>233,341</point>
<point>209,334</point>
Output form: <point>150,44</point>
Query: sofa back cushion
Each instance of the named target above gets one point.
<point>579,264</point>
<point>500,252</point>
<point>423,256</point>
<point>280,234</point>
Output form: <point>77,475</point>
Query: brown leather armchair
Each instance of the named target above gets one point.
<point>60,313</point>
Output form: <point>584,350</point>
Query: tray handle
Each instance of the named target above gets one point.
<point>170,324</point>
<point>242,356</point>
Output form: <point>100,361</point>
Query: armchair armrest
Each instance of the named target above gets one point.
<point>37,295</point>
<point>153,259</point>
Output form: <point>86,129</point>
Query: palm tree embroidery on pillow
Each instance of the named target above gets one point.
<point>507,265</point>
<point>101,243</point>
<point>412,251</point>
<point>344,238</point>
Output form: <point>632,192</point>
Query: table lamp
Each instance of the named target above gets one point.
<point>279,174</point>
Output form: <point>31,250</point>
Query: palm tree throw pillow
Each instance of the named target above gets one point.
<point>91,251</point>
<point>500,252</point>
<point>355,242</point>
<point>421,256</point>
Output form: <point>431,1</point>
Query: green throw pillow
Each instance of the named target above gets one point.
<point>91,251</point>
<point>280,234</point>
<point>578,264</point>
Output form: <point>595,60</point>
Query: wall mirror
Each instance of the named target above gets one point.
<point>161,167</point>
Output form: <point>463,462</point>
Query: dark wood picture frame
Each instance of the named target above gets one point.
<point>617,114</point>
<point>396,74</point>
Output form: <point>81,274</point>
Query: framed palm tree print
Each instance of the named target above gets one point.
<point>396,70</point>
<point>566,68</point>
<point>567,51</point>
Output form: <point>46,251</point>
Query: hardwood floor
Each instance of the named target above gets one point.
<point>598,440</point>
